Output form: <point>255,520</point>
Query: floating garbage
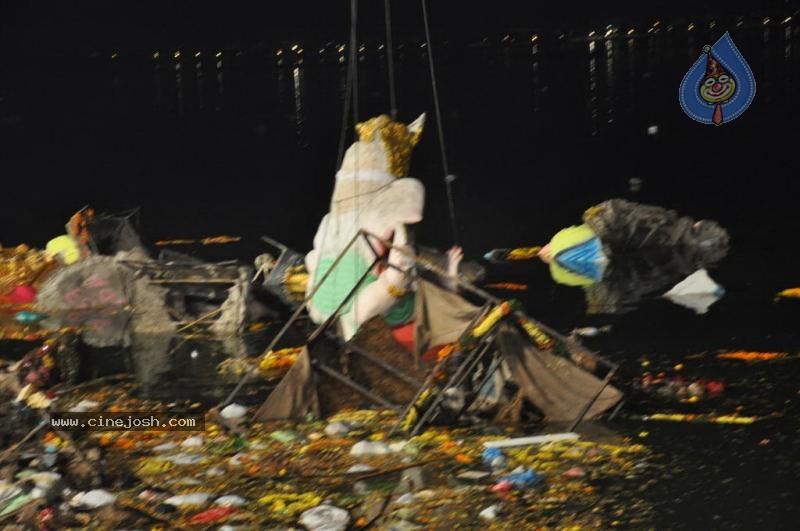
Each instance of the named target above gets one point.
<point>508,286</point>
<point>490,513</point>
<point>192,442</point>
<point>278,362</point>
<point>325,518</point>
<point>491,453</point>
<point>184,459</point>
<point>575,472</point>
<point>522,480</point>
<point>211,516</point>
<point>495,458</point>
<point>182,500</point>
<point>360,468</point>
<point>93,499</point>
<point>591,331</point>
<point>44,480</point>
<point>519,253</point>
<point>26,317</point>
<point>752,356</point>
<point>210,240</point>
<point>473,475</point>
<point>679,388</point>
<point>84,405</point>
<point>405,499</point>
<point>696,292</point>
<point>284,436</point>
<point>364,448</point>
<point>790,293</point>
<point>16,503</point>
<point>290,503</point>
<point>535,439</point>
<point>338,429</point>
<point>233,411</point>
<point>8,492</point>
<point>701,419</point>
<point>230,500</point>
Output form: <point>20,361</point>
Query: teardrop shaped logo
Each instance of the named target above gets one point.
<point>719,86</point>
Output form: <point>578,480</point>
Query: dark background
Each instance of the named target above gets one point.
<point>34,28</point>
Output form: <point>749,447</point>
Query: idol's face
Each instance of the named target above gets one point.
<point>716,89</point>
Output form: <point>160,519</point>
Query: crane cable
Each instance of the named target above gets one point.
<point>387,8</point>
<point>448,177</point>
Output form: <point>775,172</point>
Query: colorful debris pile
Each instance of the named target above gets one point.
<point>290,472</point>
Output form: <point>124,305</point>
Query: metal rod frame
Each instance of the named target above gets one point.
<point>591,402</point>
<point>433,373</point>
<point>429,414</point>
<point>290,322</point>
<point>492,369</point>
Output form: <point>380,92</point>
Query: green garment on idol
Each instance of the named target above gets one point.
<point>342,280</point>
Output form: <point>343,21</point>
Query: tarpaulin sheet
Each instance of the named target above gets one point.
<point>555,385</point>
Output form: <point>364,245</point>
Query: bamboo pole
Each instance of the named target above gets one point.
<point>193,281</point>
<point>16,446</point>
<point>199,320</point>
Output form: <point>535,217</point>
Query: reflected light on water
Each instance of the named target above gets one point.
<point>218,103</point>
<point>297,79</point>
<point>610,78</point>
<point>787,37</point>
<point>179,87</point>
<point>198,72</point>
<point>593,110</point>
<point>536,81</point>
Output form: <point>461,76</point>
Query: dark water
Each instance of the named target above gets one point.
<point>240,145</point>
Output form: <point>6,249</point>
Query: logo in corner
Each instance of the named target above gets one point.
<point>719,86</point>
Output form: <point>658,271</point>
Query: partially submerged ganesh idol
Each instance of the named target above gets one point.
<point>373,193</point>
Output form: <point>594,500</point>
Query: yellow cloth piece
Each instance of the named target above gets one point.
<point>564,239</point>
<point>64,248</point>
<point>569,237</point>
<point>568,278</point>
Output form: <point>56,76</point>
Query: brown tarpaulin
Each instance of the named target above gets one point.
<point>305,390</point>
<point>441,316</point>
<point>555,385</point>
<point>295,396</point>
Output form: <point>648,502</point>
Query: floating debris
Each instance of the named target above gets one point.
<point>752,356</point>
<point>591,331</point>
<point>508,286</point>
<point>211,240</point>
<point>278,362</point>
<point>700,418</point>
<point>696,292</point>
<point>520,253</point>
<point>790,293</point>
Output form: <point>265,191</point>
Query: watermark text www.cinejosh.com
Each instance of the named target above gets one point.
<point>136,421</point>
